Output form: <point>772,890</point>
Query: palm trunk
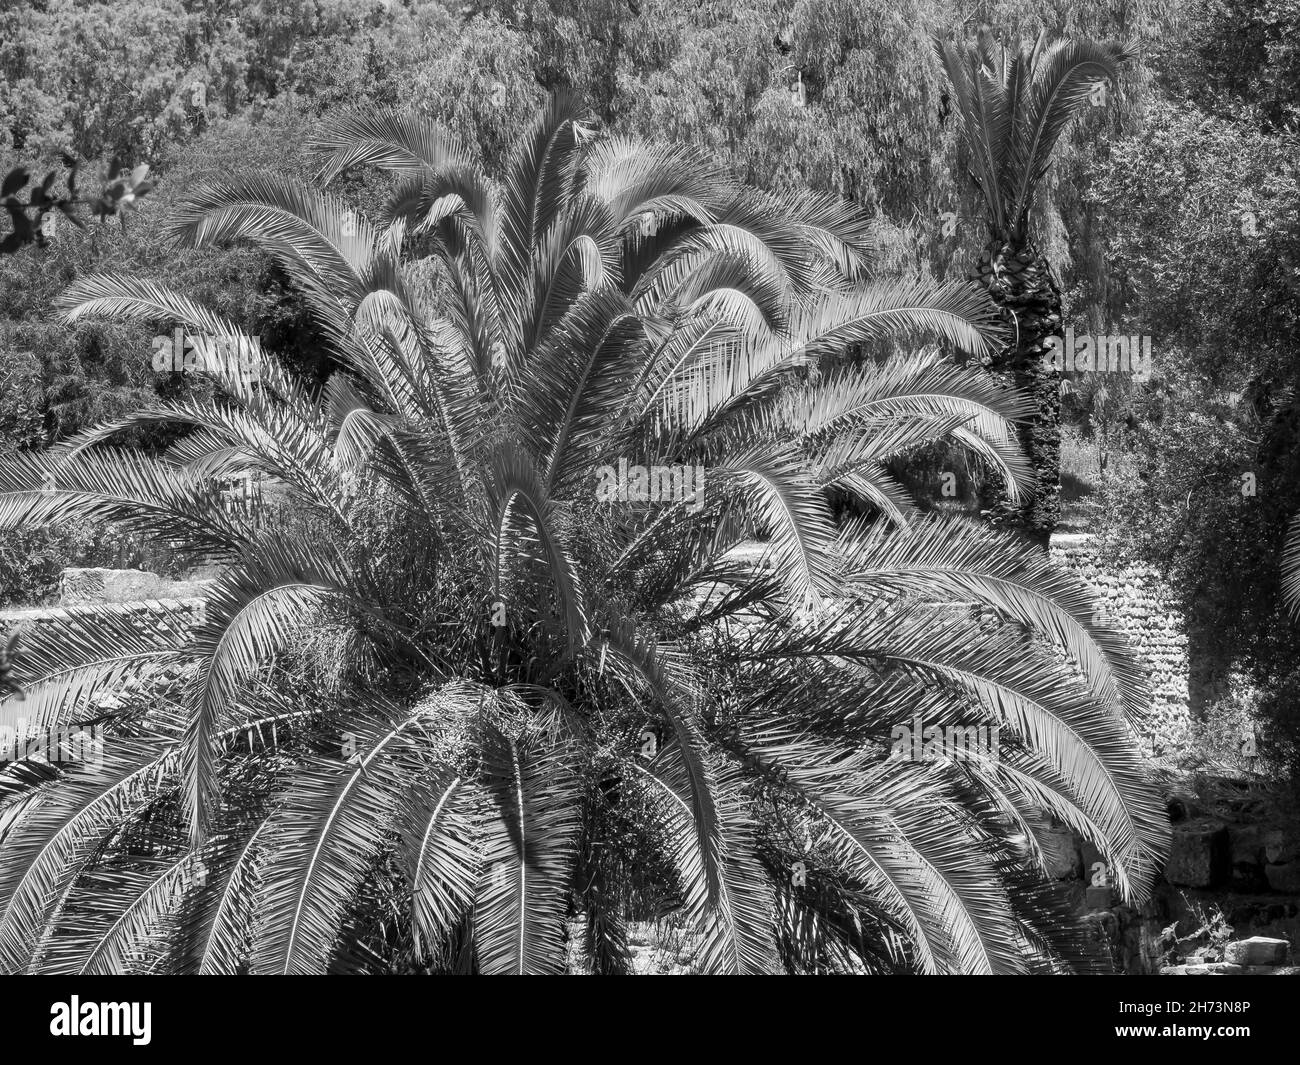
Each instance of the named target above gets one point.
<point>1020,282</point>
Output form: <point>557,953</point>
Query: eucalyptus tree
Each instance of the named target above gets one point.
<point>453,706</point>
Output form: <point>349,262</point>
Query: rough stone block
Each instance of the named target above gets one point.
<point>1213,968</point>
<point>81,586</point>
<point>1281,846</point>
<point>1258,950</point>
<point>1199,855</point>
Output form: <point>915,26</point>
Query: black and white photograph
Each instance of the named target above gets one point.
<point>641,488</point>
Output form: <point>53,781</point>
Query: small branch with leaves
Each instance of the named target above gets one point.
<point>30,221</point>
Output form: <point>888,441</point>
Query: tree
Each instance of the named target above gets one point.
<point>1014,105</point>
<point>1214,473</point>
<point>1237,62</point>
<point>551,700</point>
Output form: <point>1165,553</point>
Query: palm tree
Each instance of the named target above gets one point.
<point>447,709</point>
<point>1014,105</point>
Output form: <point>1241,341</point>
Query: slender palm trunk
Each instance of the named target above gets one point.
<point>1020,282</point>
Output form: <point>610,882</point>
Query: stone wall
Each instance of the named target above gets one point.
<point>162,615</point>
<point>1136,603</point>
<point>98,585</point>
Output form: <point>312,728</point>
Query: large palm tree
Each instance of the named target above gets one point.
<point>448,709</point>
<point>1014,103</point>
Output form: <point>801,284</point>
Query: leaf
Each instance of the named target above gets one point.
<point>737,929</point>
<point>531,848</point>
<point>322,837</point>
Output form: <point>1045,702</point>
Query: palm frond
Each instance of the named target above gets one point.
<point>948,558</point>
<point>58,834</point>
<point>441,862</point>
<point>321,838</point>
<point>736,932</point>
<point>531,844</point>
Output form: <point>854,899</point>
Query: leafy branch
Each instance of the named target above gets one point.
<point>121,189</point>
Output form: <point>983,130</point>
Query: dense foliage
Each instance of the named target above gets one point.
<point>414,397</point>
<point>501,703</point>
<point>1202,213</point>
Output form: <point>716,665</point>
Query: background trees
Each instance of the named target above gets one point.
<point>876,125</point>
<point>1200,211</point>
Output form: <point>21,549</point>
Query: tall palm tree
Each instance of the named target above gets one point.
<point>1014,103</point>
<point>447,708</point>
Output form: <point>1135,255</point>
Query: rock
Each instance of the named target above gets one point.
<point>1284,878</point>
<point>1280,847</point>
<point>1246,843</point>
<point>1258,950</point>
<point>1098,898</point>
<point>1199,855</point>
<point>1213,968</point>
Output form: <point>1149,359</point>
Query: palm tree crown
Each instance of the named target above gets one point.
<point>449,706</point>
